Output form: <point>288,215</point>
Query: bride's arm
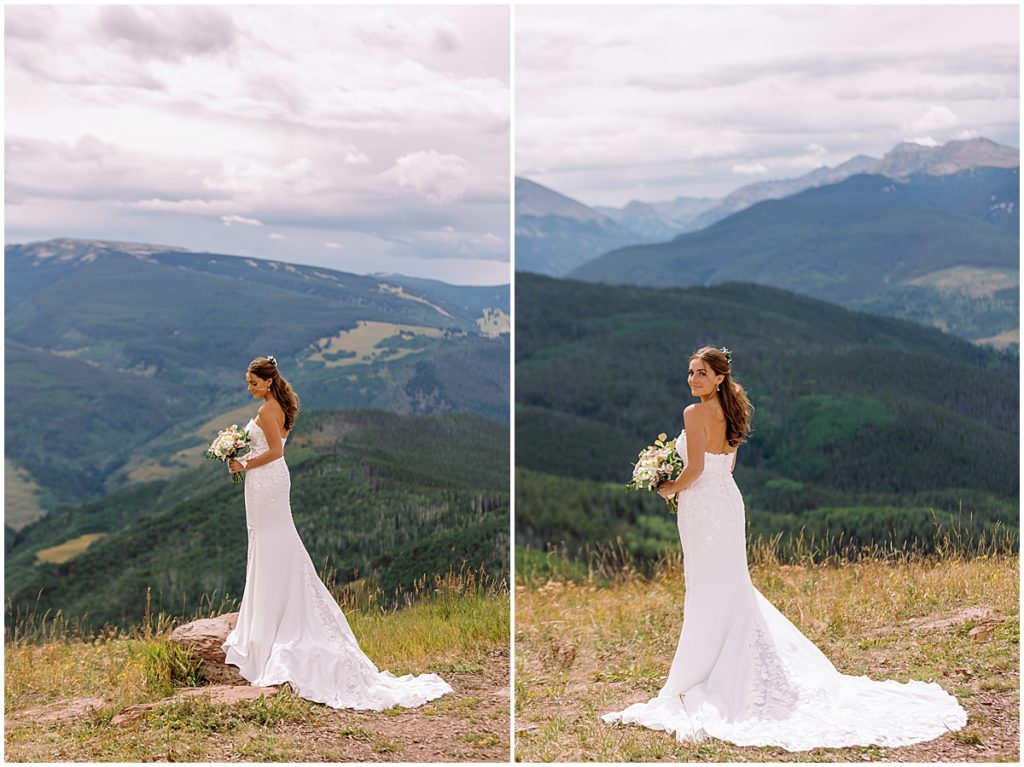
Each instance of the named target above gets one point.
<point>694,424</point>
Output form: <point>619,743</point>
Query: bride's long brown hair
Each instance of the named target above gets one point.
<point>735,404</point>
<point>266,367</point>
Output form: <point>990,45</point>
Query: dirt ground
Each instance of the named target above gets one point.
<point>469,725</point>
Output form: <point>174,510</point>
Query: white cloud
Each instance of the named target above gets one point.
<point>154,116</point>
<point>749,168</point>
<point>275,236</point>
<point>238,174</point>
<point>196,207</point>
<point>387,29</point>
<point>923,141</point>
<point>438,177</point>
<point>649,102</point>
<point>354,157</point>
<point>167,31</point>
<point>445,36</point>
<point>241,220</point>
<point>936,118</point>
<point>333,245</point>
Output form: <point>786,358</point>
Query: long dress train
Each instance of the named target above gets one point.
<point>742,672</point>
<point>289,627</point>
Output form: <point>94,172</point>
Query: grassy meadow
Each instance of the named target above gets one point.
<point>456,626</point>
<point>596,638</point>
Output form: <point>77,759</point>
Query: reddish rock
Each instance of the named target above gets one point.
<point>204,638</point>
<point>221,693</point>
<point>985,629</point>
<point>61,711</point>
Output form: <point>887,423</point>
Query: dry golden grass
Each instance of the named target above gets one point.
<point>494,322</point>
<point>398,290</point>
<point>21,497</point>
<point>1001,340</point>
<point>457,626</point>
<point>584,649</point>
<point>977,282</point>
<point>364,340</point>
<point>69,549</point>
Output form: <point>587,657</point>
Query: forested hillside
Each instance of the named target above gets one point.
<point>376,496</point>
<point>866,429</point>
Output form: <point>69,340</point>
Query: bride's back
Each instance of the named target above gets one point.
<point>715,440</point>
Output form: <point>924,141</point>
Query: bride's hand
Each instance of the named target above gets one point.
<point>665,490</point>
<point>235,465</point>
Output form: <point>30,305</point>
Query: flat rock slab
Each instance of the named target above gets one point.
<point>203,638</point>
<point>220,693</point>
<point>60,711</point>
<point>954,618</point>
<point>985,628</point>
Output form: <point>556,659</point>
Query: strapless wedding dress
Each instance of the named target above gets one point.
<point>742,672</point>
<point>289,627</point>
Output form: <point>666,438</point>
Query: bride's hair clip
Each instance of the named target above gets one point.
<point>273,360</point>
<point>728,355</point>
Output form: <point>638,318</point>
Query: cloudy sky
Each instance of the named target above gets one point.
<point>617,103</point>
<point>360,138</point>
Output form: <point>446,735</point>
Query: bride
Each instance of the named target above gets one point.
<point>742,672</point>
<point>289,627</point>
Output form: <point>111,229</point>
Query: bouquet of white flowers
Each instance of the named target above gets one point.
<point>655,464</point>
<point>228,444</point>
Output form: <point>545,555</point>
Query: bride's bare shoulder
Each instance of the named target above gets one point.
<point>695,413</point>
<point>697,409</point>
<point>272,409</point>
<point>271,406</point>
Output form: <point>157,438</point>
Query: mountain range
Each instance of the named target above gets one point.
<point>926,233</point>
<point>124,359</point>
<point>664,220</point>
<point>556,234</point>
<point>941,250</point>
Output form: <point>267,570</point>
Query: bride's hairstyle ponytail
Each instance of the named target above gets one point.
<point>737,407</point>
<point>266,367</point>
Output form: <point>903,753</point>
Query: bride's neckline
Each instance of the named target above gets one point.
<point>708,452</point>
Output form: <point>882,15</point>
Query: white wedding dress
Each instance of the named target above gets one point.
<point>289,627</point>
<point>742,672</point>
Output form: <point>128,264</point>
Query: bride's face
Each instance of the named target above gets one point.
<point>702,379</point>
<point>257,386</point>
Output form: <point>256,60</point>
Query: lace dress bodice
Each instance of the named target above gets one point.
<point>259,444</point>
<point>714,463</point>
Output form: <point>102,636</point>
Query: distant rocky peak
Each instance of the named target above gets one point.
<point>533,199</point>
<point>69,249</point>
<point>908,158</point>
